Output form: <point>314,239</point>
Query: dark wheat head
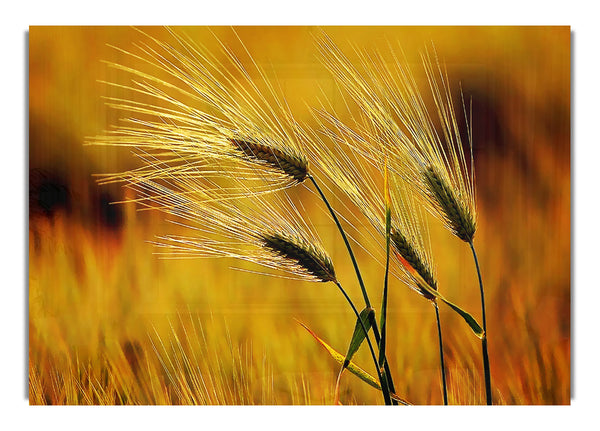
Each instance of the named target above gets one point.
<point>405,249</point>
<point>306,256</point>
<point>293,165</point>
<point>457,216</point>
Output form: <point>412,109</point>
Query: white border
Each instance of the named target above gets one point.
<point>16,19</point>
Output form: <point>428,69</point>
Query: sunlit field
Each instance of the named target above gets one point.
<point>111,322</point>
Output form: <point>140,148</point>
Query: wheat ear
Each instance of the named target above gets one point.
<point>407,252</point>
<point>457,217</point>
<point>293,165</point>
<point>307,256</point>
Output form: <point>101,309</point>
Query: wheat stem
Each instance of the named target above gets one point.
<point>382,381</point>
<point>484,347</point>
<point>358,276</point>
<point>442,365</point>
<point>345,238</point>
<point>384,300</point>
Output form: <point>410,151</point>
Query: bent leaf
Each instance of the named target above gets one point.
<point>339,358</point>
<point>352,367</point>
<point>475,327</point>
<point>426,288</point>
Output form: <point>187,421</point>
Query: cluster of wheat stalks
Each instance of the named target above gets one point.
<point>219,147</point>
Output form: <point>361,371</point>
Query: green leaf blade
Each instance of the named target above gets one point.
<point>470,320</point>
<point>366,318</point>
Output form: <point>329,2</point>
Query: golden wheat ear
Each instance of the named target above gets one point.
<point>293,165</point>
<point>457,217</point>
<point>307,256</point>
<point>409,256</point>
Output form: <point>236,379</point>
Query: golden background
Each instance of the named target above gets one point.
<point>111,323</point>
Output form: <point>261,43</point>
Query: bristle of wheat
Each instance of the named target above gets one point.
<point>457,216</point>
<point>290,164</point>
<point>305,255</point>
<point>406,250</point>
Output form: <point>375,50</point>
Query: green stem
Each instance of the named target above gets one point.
<point>358,276</point>
<point>382,380</point>
<point>345,238</point>
<point>384,300</point>
<point>484,347</point>
<point>442,365</point>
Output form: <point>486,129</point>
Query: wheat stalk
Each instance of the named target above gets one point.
<point>363,185</point>
<point>279,238</point>
<point>428,155</point>
<point>189,111</point>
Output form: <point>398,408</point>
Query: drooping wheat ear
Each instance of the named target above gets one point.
<point>294,165</point>
<point>193,113</point>
<point>306,256</point>
<point>209,226</point>
<point>408,252</point>
<point>457,217</point>
<point>415,131</point>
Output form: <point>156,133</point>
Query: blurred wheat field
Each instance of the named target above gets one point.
<point>110,323</point>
